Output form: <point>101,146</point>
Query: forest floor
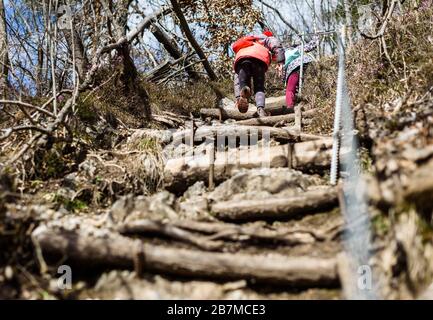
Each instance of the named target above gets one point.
<point>305,237</point>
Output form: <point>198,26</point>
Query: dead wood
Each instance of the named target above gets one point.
<point>203,235</point>
<point>171,48</point>
<point>275,120</point>
<point>420,188</point>
<point>225,131</point>
<point>228,231</point>
<point>114,250</point>
<point>278,208</point>
<point>171,231</point>
<point>191,39</point>
<point>181,173</point>
<point>273,106</point>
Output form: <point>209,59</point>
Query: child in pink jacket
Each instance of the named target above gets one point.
<point>292,69</point>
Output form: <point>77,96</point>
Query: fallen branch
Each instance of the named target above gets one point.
<point>27,145</point>
<point>9,131</point>
<point>113,250</point>
<point>171,231</point>
<point>61,116</point>
<point>28,105</point>
<point>169,121</point>
<point>234,232</point>
<point>203,235</point>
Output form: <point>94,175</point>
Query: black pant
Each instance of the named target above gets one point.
<point>251,69</point>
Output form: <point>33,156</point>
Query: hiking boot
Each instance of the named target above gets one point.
<point>243,101</point>
<point>262,113</point>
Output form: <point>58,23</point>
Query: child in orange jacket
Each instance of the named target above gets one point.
<point>254,55</point>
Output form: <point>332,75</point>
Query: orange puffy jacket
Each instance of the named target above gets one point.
<point>257,50</point>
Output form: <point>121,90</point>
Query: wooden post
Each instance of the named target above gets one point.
<point>139,259</point>
<point>298,119</point>
<point>211,185</point>
<point>192,131</point>
<point>290,156</point>
<point>301,75</point>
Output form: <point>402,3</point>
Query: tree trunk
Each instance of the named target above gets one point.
<point>129,79</point>
<point>198,233</point>
<point>4,53</point>
<point>75,43</point>
<point>40,71</point>
<point>171,48</point>
<point>129,73</point>
<point>184,25</point>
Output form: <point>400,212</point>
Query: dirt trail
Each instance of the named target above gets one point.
<point>264,230</point>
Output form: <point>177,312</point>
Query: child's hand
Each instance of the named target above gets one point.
<point>279,69</point>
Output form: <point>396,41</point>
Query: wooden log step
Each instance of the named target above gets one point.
<point>274,105</point>
<point>224,131</point>
<point>275,120</point>
<point>309,202</point>
<point>181,173</point>
<point>113,250</point>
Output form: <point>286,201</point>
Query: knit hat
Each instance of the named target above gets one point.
<point>268,33</point>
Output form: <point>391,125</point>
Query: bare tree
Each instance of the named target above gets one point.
<point>75,43</point>
<point>348,16</point>
<point>4,52</point>
<point>171,48</point>
<point>280,15</point>
<point>185,27</point>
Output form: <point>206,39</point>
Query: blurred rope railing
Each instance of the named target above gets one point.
<point>353,197</point>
